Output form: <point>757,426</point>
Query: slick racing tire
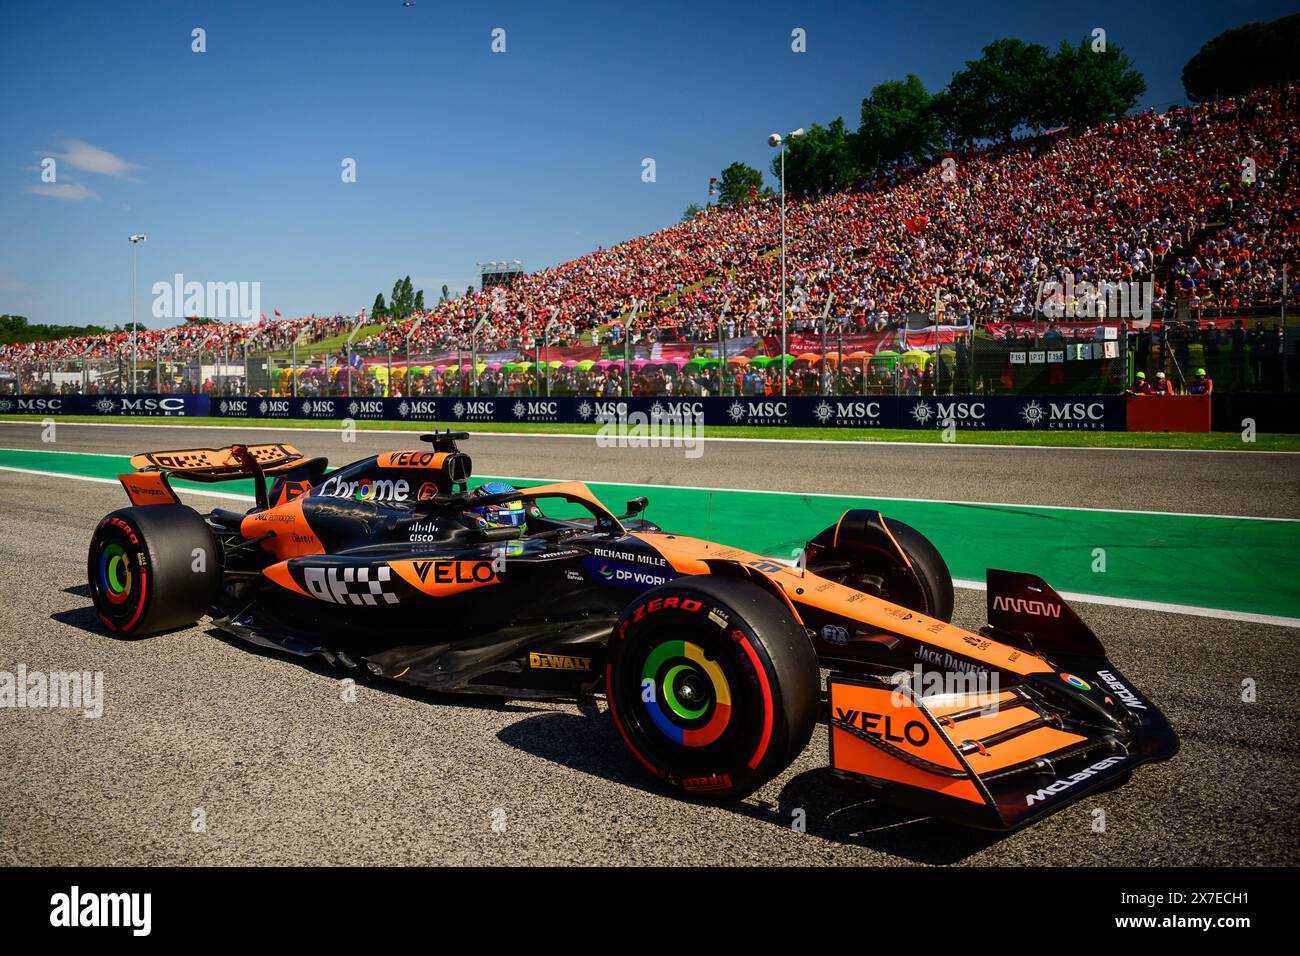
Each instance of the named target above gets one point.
<point>713,685</point>
<point>152,569</point>
<point>925,587</point>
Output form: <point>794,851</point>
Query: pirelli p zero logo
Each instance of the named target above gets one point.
<point>558,662</point>
<point>712,781</point>
<point>1025,606</point>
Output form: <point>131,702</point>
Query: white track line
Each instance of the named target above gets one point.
<point>957,582</point>
<point>811,494</point>
<point>163,422</point>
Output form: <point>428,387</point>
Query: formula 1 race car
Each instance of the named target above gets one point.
<point>710,657</point>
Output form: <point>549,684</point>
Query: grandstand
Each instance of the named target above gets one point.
<point>1201,202</point>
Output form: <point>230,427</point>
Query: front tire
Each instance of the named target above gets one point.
<point>713,685</point>
<point>152,569</point>
<point>863,551</point>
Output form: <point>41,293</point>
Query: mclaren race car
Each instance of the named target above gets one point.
<point>710,657</point>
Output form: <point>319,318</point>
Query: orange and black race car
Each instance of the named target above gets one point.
<point>710,657</point>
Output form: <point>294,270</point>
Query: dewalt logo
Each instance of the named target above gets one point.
<point>558,662</point>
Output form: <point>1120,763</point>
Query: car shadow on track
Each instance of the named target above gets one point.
<point>832,810</point>
<point>323,668</point>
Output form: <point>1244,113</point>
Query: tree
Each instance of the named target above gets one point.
<point>15,329</point>
<point>419,301</point>
<point>823,159</point>
<point>378,310</point>
<point>1001,92</point>
<point>898,123</point>
<point>1086,86</point>
<point>734,185</point>
<point>1245,58</point>
<point>691,212</point>
<point>446,293</point>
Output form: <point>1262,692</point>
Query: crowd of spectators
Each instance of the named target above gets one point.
<point>1200,201</point>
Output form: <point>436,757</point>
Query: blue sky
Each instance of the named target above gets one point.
<point>230,160</point>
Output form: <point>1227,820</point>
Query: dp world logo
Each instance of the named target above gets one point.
<point>105,406</point>
<point>1032,413</point>
<point>923,412</point>
<point>584,410</point>
<point>458,409</point>
<point>519,409</point>
<point>736,410</point>
<point>824,412</point>
<point>403,409</point>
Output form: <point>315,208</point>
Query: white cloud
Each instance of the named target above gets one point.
<point>69,192</point>
<point>92,159</point>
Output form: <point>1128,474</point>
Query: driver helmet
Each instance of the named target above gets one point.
<point>511,514</point>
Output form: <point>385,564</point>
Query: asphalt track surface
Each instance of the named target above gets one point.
<point>286,771</point>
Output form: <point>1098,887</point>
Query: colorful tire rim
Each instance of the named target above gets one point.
<point>686,694</point>
<point>115,576</point>
<point>118,574</point>
<point>1073,681</point>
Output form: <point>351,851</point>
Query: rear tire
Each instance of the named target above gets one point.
<point>713,685</point>
<point>152,569</point>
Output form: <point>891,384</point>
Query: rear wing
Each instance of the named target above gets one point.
<point>293,473</point>
<point>220,464</point>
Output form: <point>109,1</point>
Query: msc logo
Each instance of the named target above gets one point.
<point>1064,414</point>
<point>1025,606</point>
<point>852,411</point>
<point>739,410</point>
<point>418,408</point>
<point>474,409</point>
<point>32,404</point>
<point>273,407</point>
<point>558,662</point>
<point>604,411</point>
<point>365,407</point>
<point>676,411</point>
<point>233,406</point>
<point>169,406</point>
<point>535,409</point>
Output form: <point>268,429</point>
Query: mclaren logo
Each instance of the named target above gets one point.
<point>1025,606</point>
<point>1060,786</point>
<point>1129,698</point>
<point>558,662</point>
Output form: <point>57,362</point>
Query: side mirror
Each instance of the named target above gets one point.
<point>636,506</point>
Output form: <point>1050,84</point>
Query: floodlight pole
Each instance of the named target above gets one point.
<point>830,297</point>
<point>784,349</point>
<point>473,352</point>
<point>546,345</point>
<point>137,238</point>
